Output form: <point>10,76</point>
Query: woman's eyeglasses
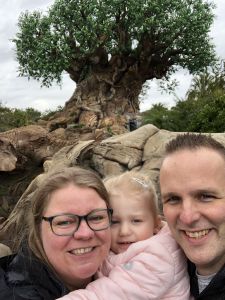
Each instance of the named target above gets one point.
<point>68,224</point>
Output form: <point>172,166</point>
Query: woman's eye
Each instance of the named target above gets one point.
<point>96,218</point>
<point>64,223</point>
<point>61,221</point>
<point>115,222</point>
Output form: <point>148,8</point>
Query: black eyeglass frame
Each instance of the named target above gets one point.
<point>80,218</point>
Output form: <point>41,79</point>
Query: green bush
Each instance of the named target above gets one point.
<point>14,117</point>
<point>203,110</point>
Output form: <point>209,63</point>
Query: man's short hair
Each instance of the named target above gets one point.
<point>193,141</point>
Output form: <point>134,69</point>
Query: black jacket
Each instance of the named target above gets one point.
<point>23,276</point>
<point>214,291</point>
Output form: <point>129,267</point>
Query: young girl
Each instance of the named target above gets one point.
<point>145,262</point>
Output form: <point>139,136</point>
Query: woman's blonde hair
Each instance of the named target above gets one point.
<point>134,183</point>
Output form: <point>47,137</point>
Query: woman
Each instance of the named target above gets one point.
<point>4,250</point>
<point>67,238</point>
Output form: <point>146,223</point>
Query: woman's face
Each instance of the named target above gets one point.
<point>75,258</point>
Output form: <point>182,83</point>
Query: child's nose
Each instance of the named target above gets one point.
<point>124,228</point>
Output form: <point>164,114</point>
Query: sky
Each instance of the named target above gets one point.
<point>19,92</point>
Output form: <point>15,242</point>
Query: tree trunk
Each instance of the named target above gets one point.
<point>108,87</point>
<point>106,97</point>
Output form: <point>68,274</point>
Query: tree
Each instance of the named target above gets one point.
<point>157,115</point>
<point>110,48</point>
<point>203,110</point>
<point>207,95</point>
<point>209,82</point>
<point>32,115</point>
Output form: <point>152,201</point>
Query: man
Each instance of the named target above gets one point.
<point>192,182</point>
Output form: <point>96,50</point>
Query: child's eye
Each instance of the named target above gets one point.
<point>137,221</point>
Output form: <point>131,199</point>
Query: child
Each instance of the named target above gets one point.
<point>140,266</point>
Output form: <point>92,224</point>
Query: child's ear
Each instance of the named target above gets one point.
<point>158,224</point>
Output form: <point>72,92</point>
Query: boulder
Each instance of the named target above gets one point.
<point>8,157</point>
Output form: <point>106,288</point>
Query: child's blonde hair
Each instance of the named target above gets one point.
<point>134,183</point>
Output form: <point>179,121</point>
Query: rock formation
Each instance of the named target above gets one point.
<point>24,150</point>
<point>140,150</point>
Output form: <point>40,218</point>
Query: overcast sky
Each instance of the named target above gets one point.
<point>19,92</point>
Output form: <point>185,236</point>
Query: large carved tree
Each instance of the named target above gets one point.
<point>111,47</point>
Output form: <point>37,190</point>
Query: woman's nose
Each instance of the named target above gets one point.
<point>83,231</point>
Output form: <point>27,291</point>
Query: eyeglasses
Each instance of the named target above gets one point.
<point>68,224</point>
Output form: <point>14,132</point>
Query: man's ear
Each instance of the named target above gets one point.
<point>158,224</point>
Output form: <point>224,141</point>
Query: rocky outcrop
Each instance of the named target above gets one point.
<point>8,157</point>
<point>34,142</point>
<point>24,150</point>
<point>37,143</point>
<point>140,150</point>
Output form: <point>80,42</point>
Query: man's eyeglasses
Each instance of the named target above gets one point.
<point>68,224</point>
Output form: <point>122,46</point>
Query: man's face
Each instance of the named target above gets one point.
<point>193,194</point>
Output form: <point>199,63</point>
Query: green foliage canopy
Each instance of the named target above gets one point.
<point>151,32</point>
<point>203,110</point>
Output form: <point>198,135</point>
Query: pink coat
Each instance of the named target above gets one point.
<point>153,269</point>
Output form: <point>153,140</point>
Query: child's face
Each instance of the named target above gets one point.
<point>132,221</point>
